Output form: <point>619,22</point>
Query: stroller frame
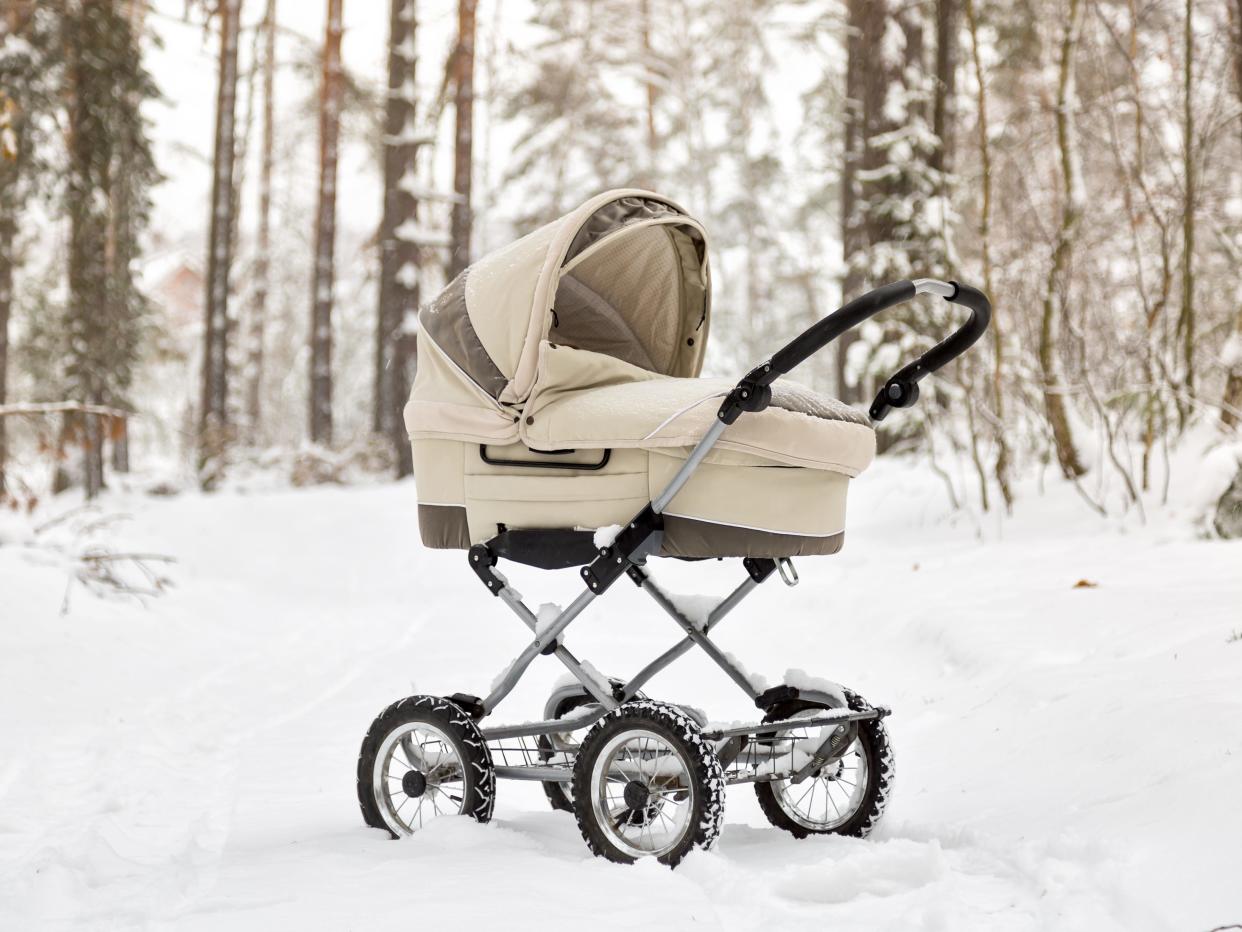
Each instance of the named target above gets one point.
<point>641,537</point>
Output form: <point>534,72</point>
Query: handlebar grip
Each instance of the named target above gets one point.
<point>902,389</point>
<point>823,332</point>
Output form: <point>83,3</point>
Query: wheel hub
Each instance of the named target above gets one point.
<point>636,795</point>
<point>414,783</point>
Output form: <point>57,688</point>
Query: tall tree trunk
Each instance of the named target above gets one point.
<point>852,240</point>
<point>400,259</point>
<point>89,241</point>
<point>213,411</point>
<point>325,232</point>
<point>652,93</point>
<point>463,160</point>
<point>1186,320</point>
<point>8,231</point>
<point>946,83</point>
<point>1232,399</point>
<point>1058,284</point>
<point>1001,468</point>
<point>262,262</point>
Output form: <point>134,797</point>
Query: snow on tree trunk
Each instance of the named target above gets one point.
<point>463,159</point>
<point>263,249</point>
<point>323,279</point>
<point>1071,212</point>
<point>400,258</point>
<point>213,410</point>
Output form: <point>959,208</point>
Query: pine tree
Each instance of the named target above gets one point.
<point>109,173</point>
<point>400,256</point>
<point>213,427</point>
<point>323,280</point>
<point>27,96</point>
<point>578,136</point>
<point>896,220</point>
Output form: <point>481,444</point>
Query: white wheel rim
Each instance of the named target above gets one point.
<point>642,757</point>
<point>429,751</point>
<point>828,800</point>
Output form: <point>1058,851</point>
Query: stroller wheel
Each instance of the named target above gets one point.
<point>560,795</point>
<point>422,758</point>
<point>847,797</point>
<point>646,784</point>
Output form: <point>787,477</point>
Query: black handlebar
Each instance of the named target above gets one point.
<point>754,392</point>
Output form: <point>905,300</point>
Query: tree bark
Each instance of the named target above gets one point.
<point>8,231</point>
<point>323,280</point>
<point>946,83</point>
<point>1232,399</point>
<point>852,239</point>
<point>1071,210</point>
<point>1001,467</point>
<point>463,160</point>
<point>213,411</point>
<point>1186,320</point>
<point>262,262</point>
<point>400,259</point>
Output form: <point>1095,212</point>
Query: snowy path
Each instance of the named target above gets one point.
<point>1067,758</point>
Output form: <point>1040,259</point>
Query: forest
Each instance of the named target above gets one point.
<point>1077,159</point>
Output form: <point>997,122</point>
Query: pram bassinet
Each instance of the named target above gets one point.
<point>558,387</point>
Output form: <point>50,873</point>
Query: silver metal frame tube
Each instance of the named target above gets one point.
<point>693,632</point>
<point>726,605</point>
<point>513,673</point>
<point>701,449</point>
<point>933,286</point>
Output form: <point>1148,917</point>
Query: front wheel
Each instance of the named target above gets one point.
<point>845,797</point>
<point>647,784</point>
<point>423,758</point>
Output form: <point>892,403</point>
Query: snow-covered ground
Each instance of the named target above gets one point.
<point>1067,758</point>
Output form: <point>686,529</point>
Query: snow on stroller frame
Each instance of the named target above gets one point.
<point>558,394</point>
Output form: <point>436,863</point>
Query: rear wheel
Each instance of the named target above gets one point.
<point>846,796</point>
<point>423,758</point>
<point>647,784</point>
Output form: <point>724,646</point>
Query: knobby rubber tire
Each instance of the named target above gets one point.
<point>682,732</point>
<point>480,777</point>
<point>873,737</point>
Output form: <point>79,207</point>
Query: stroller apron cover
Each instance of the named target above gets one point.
<point>558,420</point>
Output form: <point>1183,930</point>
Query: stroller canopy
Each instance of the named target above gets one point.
<point>624,275</point>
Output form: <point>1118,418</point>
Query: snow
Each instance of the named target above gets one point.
<point>546,617</point>
<point>604,536</point>
<point>1066,758</point>
<point>696,608</point>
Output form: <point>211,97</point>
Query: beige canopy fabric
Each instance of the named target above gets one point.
<point>558,387</point>
<point>626,273</point>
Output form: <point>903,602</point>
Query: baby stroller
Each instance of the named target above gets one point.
<point>558,420</point>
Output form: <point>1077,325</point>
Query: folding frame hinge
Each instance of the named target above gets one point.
<point>483,562</point>
<point>637,540</point>
<point>759,568</point>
